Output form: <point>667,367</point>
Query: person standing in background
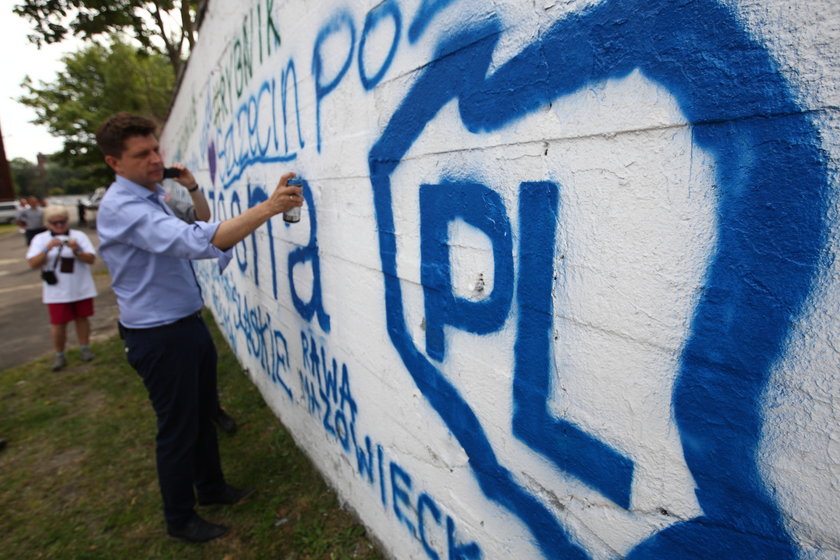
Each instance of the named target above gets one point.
<point>31,219</point>
<point>80,208</point>
<point>68,254</point>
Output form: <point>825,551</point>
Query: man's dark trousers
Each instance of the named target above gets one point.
<point>30,233</point>
<point>178,365</point>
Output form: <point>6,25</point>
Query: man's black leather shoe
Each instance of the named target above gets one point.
<point>197,530</point>
<point>225,422</point>
<point>228,497</point>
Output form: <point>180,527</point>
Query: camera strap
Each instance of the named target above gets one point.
<point>57,258</point>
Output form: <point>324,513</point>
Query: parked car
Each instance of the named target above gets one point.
<point>8,211</point>
<point>92,203</point>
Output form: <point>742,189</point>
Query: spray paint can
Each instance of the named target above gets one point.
<point>292,215</point>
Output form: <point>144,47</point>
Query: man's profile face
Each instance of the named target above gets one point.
<point>139,161</point>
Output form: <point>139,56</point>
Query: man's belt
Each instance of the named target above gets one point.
<point>123,329</point>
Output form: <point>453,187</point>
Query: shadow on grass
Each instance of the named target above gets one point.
<point>79,477</point>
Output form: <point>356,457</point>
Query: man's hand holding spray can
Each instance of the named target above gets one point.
<point>292,215</point>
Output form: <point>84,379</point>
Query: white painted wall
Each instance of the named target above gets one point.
<point>692,319</point>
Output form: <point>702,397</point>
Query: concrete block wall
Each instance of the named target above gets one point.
<point>566,283</point>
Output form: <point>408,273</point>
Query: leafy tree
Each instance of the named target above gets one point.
<point>96,82</point>
<point>56,178</point>
<point>62,179</point>
<point>165,26</point>
<point>26,178</point>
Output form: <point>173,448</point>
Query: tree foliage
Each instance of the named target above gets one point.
<point>96,82</point>
<point>165,26</point>
<point>54,178</point>
<point>26,178</point>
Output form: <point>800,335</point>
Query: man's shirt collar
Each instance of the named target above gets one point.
<point>137,189</point>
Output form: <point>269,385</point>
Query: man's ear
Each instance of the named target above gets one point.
<point>112,162</point>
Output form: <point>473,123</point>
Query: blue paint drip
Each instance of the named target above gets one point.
<point>376,15</point>
<point>773,192</point>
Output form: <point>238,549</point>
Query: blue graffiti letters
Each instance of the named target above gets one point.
<point>290,79</point>
<point>482,208</point>
<point>336,398</point>
<point>237,66</point>
<point>425,13</point>
<point>247,127</point>
<point>323,86</point>
<point>772,190</point>
<point>235,315</point>
<point>373,18</point>
<point>309,254</point>
<point>425,502</point>
<point>326,387</point>
<point>458,551</point>
<point>257,194</point>
<point>252,136</point>
<point>400,487</point>
<point>565,444</point>
<point>436,87</point>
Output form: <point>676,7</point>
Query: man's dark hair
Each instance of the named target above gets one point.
<point>112,134</point>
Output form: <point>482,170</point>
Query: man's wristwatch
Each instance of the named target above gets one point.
<point>193,189</point>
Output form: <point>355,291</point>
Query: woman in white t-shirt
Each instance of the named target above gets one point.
<point>69,254</point>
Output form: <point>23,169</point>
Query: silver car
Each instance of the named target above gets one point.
<point>8,211</point>
<point>92,203</point>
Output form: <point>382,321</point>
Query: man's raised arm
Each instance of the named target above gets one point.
<point>234,230</point>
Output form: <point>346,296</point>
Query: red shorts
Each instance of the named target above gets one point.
<point>61,313</point>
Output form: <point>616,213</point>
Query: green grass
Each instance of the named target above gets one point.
<point>7,228</point>
<point>78,474</point>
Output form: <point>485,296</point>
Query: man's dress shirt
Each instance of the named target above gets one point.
<point>148,251</point>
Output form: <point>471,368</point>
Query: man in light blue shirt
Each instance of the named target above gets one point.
<point>148,251</point>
